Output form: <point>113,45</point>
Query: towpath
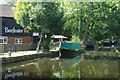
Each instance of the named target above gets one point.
<point>21,53</point>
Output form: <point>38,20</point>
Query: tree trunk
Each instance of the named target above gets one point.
<point>39,43</point>
<point>85,33</point>
<point>86,26</point>
<point>46,42</point>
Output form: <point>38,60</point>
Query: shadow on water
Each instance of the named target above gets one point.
<point>50,68</point>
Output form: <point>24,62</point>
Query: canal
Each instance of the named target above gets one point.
<point>52,68</point>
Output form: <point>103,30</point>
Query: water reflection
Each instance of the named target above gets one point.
<point>48,68</point>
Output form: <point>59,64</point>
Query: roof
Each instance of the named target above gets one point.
<point>6,11</point>
<point>11,28</point>
<point>91,42</point>
<point>58,36</point>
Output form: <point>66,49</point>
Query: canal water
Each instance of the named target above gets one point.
<point>52,68</point>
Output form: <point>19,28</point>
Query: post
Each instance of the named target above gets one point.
<point>3,47</point>
<point>10,52</point>
<point>15,49</point>
<point>39,43</point>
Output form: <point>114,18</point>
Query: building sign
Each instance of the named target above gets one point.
<point>13,30</point>
<point>26,31</point>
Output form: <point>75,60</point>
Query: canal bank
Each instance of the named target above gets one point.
<point>8,58</point>
<point>26,55</point>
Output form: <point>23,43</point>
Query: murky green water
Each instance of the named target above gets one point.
<point>50,68</point>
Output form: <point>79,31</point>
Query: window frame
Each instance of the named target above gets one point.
<point>3,39</point>
<point>19,42</point>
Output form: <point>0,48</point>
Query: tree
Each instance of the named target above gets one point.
<point>94,18</point>
<point>45,18</point>
<point>81,20</point>
<point>12,2</point>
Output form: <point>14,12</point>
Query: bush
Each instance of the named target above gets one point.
<point>75,38</point>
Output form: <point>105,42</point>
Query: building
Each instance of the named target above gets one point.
<point>57,38</point>
<point>13,37</point>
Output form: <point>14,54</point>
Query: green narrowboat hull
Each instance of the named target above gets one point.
<point>70,49</point>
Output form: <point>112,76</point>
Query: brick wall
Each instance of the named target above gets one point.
<point>27,45</point>
<point>26,40</point>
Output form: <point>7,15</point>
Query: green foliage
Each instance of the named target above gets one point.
<point>99,19</point>
<point>81,21</point>
<point>45,18</point>
<point>36,16</point>
<point>75,38</point>
<point>11,2</point>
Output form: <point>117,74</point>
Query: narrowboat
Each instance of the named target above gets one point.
<point>71,49</point>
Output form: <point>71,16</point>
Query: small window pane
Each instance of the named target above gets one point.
<point>18,40</point>
<point>3,40</point>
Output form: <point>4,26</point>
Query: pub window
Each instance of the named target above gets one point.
<point>3,40</point>
<point>18,41</point>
